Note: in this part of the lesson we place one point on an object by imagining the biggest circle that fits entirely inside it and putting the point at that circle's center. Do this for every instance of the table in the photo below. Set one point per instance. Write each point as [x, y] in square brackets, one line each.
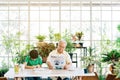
[45, 72]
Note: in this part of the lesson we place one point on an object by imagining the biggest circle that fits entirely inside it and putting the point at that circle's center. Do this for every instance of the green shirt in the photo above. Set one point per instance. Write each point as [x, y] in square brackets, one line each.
[31, 62]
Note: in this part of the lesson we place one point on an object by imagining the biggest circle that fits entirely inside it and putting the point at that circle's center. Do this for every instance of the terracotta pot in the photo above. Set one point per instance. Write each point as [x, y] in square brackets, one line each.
[90, 68]
[111, 68]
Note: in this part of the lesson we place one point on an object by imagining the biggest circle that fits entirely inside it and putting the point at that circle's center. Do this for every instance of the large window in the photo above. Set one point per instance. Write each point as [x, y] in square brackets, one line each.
[98, 20]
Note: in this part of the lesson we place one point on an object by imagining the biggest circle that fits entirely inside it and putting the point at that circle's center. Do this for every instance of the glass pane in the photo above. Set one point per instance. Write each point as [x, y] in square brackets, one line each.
[106, 30]
[34, 30]
[44, 15]
[115, 31]
[44, 8]
[54, 15]
[44, 28]
[116, 15]
[3, 28]
[14, 15]
[5, 8]
[85, 15]
[23, 15]
[96, 31]
[65, 15]
[24, 30]
[65, 7]
[3, 15]
[14, 27]
[96, 15]
[106, 15]
[75, 27]
[75, 15]
[55, 26]
[64, 26]
[86, 30]
[34, 15]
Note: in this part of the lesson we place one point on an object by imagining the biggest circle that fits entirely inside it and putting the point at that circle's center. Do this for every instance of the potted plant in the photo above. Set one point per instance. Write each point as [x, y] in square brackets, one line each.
[79, 35]
[40, 38]
[3, 69]
[111, 57]
[89, 60]
[45, 49]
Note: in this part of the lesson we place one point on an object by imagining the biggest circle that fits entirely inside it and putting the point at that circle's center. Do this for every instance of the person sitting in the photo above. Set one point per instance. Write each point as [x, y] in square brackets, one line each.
[59, 59]
[33, 60]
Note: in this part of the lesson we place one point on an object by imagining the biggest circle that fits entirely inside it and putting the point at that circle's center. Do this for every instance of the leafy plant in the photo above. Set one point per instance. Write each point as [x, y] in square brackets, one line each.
[40, 37]
[111, 56]
[70, 46]
[57, 36]
[45, 48]
[3, 69]
[20, 56]
[89, 59]
[79, 35]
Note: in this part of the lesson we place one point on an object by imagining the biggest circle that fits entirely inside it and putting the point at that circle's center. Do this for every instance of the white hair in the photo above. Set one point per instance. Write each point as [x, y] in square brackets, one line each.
[63, 42]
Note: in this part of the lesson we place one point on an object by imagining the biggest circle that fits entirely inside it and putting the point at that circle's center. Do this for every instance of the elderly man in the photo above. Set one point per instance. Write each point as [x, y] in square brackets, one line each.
[59, 58]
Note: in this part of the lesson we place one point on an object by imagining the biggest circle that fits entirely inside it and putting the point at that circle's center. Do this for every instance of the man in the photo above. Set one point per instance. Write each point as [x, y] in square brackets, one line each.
[59, 58]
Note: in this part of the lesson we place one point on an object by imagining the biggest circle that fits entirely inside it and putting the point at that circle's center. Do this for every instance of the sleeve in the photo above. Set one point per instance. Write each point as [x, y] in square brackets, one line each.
[49, 57]
[27, 59]
[68, 58]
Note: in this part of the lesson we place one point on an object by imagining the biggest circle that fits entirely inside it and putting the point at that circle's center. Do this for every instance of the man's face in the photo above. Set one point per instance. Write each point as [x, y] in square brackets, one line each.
[61, 47]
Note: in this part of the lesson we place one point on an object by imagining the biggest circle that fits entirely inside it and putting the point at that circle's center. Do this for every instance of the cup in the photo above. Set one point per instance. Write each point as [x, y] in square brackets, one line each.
[16, 68]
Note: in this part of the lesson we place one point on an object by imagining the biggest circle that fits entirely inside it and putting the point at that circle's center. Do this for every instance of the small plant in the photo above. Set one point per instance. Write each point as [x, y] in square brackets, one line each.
[57, 36]
[40, 37]
[79, 35]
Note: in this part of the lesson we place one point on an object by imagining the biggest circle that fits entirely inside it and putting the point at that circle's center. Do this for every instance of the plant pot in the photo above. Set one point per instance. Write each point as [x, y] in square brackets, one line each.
[90, 68]
[111, 68]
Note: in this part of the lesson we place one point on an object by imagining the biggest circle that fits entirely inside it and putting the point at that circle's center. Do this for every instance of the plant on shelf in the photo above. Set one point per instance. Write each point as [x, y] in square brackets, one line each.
[40, 37]
[79, 35]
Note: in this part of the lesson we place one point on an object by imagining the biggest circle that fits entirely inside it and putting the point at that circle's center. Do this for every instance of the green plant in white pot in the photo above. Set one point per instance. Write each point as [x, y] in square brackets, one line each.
[89, 60]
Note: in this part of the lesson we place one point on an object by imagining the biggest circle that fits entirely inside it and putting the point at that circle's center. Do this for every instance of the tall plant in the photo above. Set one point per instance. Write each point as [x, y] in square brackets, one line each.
[70, 46]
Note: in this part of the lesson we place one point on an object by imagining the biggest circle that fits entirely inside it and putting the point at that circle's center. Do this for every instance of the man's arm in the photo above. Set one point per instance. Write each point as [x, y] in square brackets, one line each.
[49, 65]
[67, 65]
